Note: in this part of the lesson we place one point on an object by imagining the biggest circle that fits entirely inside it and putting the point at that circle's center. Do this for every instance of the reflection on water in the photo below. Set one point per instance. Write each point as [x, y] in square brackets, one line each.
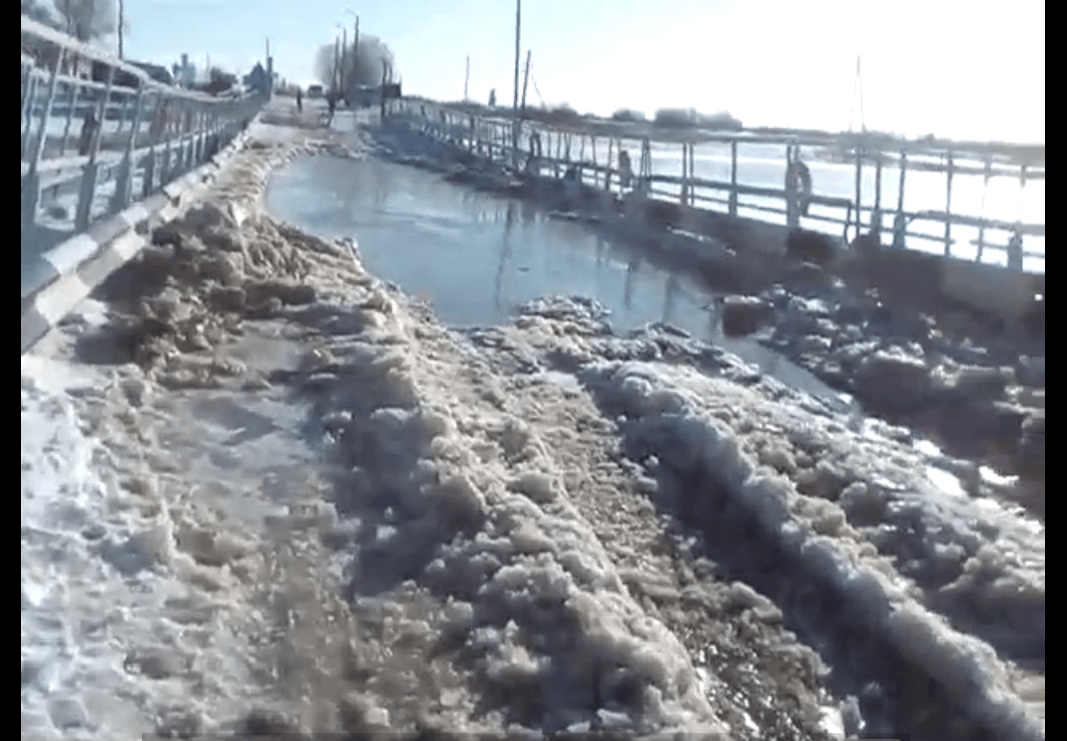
[476, 257]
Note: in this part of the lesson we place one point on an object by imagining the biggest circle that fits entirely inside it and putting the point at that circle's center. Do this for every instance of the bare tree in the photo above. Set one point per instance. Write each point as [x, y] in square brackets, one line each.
[38, 12]
[87, 20]
[363, 63]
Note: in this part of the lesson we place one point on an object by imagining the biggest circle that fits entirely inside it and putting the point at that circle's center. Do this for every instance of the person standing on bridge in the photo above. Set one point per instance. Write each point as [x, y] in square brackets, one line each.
[331, 102]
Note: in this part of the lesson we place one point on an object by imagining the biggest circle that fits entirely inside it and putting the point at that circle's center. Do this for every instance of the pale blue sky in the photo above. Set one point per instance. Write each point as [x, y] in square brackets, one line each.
[961, 69]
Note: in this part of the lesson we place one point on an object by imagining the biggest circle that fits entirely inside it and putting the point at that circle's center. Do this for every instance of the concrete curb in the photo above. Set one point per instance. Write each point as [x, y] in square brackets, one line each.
[70, 271]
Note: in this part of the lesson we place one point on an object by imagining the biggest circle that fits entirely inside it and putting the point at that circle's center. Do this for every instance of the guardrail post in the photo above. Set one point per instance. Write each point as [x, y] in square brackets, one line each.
[124, 182]
[189, 138]
[948, 207]
[92, 169]
[198, 141]
[156, 130]
[167, 108]
[31, 183]
[733, 179]
[985, 192]
[28, 104]
[692, 173]
[859, 190]
[75, 91]
[607, 173]
[685, 174]
[792, 219]
[900, 223]
[1015, 244]
[122, 113]
[1015, 251]
[876, 215]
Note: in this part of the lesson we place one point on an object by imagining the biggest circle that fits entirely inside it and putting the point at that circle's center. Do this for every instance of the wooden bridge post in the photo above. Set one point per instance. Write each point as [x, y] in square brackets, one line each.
[948, 206]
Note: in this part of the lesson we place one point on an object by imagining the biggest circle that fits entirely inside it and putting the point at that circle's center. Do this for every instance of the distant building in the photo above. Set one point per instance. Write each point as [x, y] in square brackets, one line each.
[362, 96]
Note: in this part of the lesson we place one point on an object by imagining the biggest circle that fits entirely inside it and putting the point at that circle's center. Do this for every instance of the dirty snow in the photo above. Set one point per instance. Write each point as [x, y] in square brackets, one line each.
[262, 489]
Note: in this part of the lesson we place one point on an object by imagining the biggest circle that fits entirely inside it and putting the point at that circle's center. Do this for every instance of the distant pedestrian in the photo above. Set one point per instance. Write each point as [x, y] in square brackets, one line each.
[626, 171]
[331, 103]
[89, 126]
[299, 101]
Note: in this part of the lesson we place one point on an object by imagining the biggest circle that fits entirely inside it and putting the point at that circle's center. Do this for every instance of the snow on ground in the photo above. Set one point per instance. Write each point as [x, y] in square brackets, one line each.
[286, 486]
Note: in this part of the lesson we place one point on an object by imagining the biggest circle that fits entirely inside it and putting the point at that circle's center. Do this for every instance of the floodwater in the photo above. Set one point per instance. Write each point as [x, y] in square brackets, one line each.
[476, 257]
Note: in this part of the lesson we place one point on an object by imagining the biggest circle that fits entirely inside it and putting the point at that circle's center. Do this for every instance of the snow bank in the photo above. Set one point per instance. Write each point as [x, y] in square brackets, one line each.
[702, 431]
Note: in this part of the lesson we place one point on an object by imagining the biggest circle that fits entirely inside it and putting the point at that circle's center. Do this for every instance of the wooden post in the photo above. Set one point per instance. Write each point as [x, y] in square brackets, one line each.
[948, 207]
[900, 223]
[733, 178]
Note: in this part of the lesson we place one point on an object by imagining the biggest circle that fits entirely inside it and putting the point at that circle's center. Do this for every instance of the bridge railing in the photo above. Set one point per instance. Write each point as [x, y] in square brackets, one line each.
[752, 173]
[98, 134]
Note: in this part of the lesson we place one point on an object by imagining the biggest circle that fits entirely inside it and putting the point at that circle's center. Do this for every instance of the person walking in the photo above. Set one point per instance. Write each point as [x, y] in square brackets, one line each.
[299, 101]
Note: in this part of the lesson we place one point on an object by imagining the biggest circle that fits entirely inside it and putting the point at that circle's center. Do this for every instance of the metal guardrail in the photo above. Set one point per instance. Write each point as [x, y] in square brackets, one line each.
[495, 138]
[83, 135]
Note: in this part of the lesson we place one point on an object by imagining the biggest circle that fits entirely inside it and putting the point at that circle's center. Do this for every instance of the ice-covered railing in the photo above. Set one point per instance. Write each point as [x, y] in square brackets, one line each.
[103, 133]
[754, 174]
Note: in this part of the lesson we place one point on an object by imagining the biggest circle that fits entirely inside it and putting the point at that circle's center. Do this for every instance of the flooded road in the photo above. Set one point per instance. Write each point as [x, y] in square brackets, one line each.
[477, 257]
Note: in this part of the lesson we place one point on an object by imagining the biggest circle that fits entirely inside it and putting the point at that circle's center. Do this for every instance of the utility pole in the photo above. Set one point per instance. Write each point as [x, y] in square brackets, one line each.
[336, 63]
[122, 22]
[344, 55]
[355, 48]
[467, 79]
[515, 97]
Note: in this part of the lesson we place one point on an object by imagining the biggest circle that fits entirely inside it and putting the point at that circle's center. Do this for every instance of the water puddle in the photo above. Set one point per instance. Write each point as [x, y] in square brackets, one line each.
[476, 257]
